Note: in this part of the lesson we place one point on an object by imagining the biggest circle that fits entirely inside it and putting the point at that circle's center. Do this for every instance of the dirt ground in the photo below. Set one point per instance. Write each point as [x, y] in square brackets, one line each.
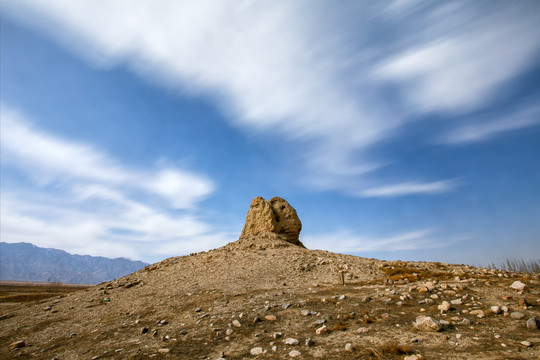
[229, 302]
[13, 292]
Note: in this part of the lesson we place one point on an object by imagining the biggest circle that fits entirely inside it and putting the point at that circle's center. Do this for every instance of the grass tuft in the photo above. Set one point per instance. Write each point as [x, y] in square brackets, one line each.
[519, 265]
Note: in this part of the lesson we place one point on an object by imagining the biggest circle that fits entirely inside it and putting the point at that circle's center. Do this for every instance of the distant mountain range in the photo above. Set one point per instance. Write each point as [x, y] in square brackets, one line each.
[27, 262]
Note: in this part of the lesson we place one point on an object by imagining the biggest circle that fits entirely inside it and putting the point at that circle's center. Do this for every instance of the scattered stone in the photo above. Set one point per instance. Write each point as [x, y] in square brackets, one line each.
[533, 324]
[229, 332]
[164, 351]
[286, 306]
[496, 309]
[295, 353]
[362, 330]
[291, 341]
[342, 297]
[256, 351]
[427, 323]
[413, 357]
[322, 330]
[445, 306]
[479, 313]
[256, 319]
[197, 309]
[306, 312]
[236, 323]
[349, 347]
[526, 343]
[456, 302]
[444, 323]
[309, 342]
[518, 285]
[277, 335]
[517, 315]
[270, 318]
[72, 336]
[458, 336]
[16, 345]
[161, 322]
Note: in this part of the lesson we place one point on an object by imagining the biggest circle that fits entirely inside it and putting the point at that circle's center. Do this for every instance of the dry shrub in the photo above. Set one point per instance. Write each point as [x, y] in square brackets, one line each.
[400, 272]
[388, 349]
[339, 326]
[393, 348]
[366, 319]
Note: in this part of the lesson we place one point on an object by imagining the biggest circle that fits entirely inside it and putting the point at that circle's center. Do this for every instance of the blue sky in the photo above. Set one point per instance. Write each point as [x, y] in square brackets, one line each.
[398, 130]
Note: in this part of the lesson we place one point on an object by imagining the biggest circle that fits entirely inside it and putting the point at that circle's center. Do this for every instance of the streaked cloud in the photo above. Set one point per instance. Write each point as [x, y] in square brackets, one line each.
[290, 69]
[484, 130]
[410, 188]
[49, 158]
[83, 200]
[350, 242]
[458, 69]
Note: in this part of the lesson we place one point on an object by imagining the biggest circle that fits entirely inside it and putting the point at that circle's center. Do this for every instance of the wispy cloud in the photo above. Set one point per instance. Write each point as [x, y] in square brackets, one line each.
[48, 157]
[83, 200]
[409, 188]
[349, 242]
[484, 130]
[461, 68]
[291, 69]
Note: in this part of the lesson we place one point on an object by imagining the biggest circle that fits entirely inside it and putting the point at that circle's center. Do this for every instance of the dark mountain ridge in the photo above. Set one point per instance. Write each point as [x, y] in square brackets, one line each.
[27, 262]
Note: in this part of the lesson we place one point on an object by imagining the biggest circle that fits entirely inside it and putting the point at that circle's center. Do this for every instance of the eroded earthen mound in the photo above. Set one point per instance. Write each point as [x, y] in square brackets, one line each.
[270, 223]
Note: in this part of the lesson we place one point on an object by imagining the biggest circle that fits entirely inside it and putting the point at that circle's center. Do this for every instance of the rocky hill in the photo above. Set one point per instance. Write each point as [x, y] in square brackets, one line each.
[27, 262]
[266, 296]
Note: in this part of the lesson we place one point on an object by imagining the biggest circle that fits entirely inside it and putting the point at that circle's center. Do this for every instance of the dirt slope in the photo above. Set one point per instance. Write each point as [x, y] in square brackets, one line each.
[275, 291]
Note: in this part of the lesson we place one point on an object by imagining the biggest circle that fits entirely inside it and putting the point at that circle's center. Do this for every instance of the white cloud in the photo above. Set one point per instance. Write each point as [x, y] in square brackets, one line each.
[84, 201]
[103, 225]
[274, 66]
[459, 70]
[349, 242]
[409, 188]
[290, 69]
[480, 131]
[48, 157]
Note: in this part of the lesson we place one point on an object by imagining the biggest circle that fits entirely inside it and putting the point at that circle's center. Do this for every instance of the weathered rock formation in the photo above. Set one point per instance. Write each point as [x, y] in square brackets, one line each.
[271, 219]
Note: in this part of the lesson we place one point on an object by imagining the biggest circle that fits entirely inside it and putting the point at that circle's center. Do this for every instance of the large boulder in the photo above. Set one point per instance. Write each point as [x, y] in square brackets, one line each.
[275, 216]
